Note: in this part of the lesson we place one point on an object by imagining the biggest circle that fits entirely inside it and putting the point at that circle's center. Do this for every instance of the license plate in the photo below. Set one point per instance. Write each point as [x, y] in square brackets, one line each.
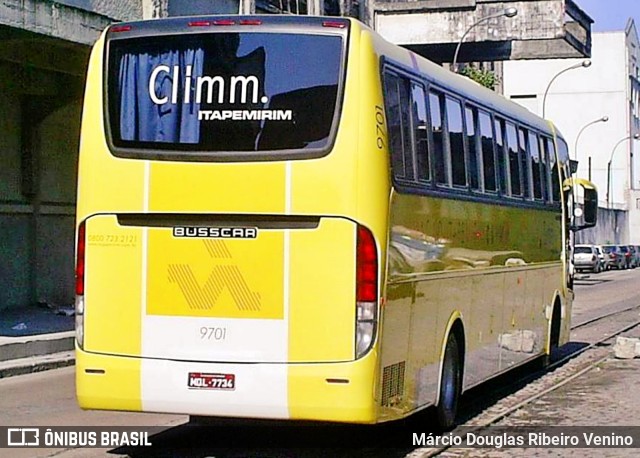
[199, 380]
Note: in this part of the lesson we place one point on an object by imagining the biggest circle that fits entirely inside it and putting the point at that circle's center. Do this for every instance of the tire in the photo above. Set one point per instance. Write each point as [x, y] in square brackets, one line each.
[450, 385]
[554, 336]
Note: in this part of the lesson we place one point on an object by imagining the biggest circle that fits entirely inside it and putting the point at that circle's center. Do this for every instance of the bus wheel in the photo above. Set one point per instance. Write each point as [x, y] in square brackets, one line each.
[554, 337]
[450, 385]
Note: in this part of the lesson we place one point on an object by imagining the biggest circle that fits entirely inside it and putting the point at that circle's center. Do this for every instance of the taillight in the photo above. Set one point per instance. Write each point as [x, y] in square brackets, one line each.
[367, 266]
[80, 260]
[593, 258]
[366, 290]
[79, 310]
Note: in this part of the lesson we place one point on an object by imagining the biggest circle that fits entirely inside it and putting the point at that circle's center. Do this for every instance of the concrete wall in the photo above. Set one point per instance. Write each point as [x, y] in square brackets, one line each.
[15, 211]
[123, 10]
[612, 228]
[38, 166]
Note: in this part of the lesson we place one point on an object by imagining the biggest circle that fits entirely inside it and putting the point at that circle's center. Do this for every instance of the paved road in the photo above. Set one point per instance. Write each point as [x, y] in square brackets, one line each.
[48, 398]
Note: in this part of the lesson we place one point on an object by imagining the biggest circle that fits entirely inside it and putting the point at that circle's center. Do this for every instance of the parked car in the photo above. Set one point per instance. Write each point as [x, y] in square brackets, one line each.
[616, 257]
[604, 259]
[634, 255]
[585, 257]
[637, 247]
[629, 260]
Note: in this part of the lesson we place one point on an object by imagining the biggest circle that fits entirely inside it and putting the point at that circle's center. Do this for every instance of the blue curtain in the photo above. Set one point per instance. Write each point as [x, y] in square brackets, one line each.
[143, 120]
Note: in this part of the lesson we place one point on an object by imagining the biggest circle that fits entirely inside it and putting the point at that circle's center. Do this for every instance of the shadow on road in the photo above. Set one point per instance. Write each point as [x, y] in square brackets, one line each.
[235, 439]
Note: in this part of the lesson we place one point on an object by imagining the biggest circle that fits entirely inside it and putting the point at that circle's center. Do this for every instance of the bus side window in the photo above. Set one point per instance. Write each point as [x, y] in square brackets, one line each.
[488, 158]
[419, 118]
[525, 166]
[407, 135]
[502, 171]
[553, 170]
[513, 160]
[397, 110]
[535, 166]
[544, 169]
[471, 121]
[437, 124]
[456, 142]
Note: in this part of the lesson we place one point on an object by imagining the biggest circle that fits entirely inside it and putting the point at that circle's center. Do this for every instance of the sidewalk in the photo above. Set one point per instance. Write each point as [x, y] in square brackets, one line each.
[35, 338]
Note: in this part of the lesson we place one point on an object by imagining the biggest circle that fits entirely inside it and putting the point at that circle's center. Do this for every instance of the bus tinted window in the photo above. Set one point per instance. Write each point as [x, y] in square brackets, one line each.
[437, 123]
[502, 174]
[513, 160]
[536, 166]
[456, 142]
[553, 170]
[420, 131]
[224, 91]
[488, 161]
[524, 162]
[407, 134]
[471, 117]
[544, 169]
[394, 124]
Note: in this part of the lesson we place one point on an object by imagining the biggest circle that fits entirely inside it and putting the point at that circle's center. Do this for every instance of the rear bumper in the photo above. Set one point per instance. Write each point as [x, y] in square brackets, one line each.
[586, 265]
[342, 392]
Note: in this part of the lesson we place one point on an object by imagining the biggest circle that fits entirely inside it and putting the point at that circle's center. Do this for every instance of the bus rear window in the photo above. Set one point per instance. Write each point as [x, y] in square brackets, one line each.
[207, 94]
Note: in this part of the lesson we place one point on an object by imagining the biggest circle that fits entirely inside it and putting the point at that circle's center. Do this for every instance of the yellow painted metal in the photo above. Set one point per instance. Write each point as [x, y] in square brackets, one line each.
[313, 397]
[255, 188]
[113, 282]
[234, 278]
[322, 297]
[115, 387]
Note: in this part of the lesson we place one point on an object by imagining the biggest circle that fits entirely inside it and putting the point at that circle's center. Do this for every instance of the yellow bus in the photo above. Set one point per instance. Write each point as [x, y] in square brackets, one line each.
[290, 218]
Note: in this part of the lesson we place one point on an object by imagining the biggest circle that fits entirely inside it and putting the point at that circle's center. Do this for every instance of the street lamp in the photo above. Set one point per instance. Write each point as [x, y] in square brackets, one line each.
[585, 64]
[575, 148]
[628, 137]
[508, 12]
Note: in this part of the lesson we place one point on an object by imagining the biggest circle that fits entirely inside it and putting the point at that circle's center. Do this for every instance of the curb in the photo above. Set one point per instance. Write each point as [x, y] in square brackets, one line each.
[37, 345]
[36, 364]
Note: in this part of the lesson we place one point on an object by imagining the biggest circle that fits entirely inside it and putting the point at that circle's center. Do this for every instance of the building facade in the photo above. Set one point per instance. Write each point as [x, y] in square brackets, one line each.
[577, 101]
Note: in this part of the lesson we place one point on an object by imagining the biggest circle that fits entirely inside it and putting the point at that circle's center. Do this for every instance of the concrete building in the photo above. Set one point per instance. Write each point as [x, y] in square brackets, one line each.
[576, 100]
[44, 47]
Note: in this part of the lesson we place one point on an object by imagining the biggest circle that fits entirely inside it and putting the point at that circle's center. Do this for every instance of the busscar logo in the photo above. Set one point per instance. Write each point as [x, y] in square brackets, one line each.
[23, 437]
[216, 232]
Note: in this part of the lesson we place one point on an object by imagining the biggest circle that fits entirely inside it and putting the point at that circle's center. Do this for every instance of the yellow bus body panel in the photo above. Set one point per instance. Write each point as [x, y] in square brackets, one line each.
[113, 287]
[115, 387]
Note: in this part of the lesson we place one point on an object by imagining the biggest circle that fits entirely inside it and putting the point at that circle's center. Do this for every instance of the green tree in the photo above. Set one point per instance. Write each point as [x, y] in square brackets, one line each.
[486, 78]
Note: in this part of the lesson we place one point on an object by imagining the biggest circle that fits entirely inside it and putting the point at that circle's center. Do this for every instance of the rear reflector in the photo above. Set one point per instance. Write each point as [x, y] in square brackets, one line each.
[80, 260]
[366, 267]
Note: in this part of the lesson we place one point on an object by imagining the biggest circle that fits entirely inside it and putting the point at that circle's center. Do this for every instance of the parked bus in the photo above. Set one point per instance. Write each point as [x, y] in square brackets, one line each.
[290, 218]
